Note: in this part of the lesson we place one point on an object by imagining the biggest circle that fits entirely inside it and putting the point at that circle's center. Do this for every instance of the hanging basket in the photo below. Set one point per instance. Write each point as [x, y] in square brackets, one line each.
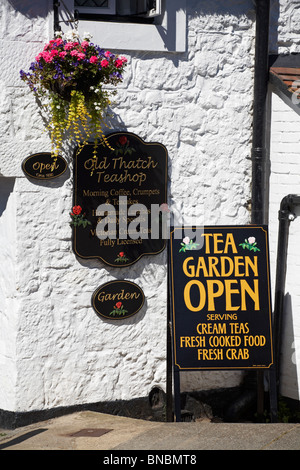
[69, 76]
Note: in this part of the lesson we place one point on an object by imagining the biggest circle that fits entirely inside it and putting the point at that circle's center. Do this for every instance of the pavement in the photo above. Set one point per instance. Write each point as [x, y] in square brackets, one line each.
[88, 430]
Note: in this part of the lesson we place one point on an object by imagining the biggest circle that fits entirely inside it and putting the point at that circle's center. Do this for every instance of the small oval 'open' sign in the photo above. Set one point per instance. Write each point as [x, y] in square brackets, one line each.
[117, 300]
[44, 166]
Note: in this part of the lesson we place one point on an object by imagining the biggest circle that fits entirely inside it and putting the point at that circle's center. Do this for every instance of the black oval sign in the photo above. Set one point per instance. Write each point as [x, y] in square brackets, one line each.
[44, 166]
[117, 300]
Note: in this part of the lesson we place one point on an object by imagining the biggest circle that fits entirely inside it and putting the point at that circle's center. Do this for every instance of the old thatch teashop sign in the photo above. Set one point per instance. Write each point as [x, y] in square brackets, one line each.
[220, 292]
[117, 300]
[122, 190]
[43, 166]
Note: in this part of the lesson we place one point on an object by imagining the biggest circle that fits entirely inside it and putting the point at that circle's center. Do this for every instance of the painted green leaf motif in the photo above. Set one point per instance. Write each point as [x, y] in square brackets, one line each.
[250, 245]
[79, 220]
[118, 311]
[122, 258]
[188, 246]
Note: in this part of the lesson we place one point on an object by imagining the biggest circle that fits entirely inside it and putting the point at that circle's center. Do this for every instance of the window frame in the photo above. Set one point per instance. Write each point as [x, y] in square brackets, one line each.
[110, 10]
[166, 33]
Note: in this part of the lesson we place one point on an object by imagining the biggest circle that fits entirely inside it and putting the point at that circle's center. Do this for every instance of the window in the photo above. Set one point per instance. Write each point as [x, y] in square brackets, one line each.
[137, 25]
[118, 8]
[107, 7]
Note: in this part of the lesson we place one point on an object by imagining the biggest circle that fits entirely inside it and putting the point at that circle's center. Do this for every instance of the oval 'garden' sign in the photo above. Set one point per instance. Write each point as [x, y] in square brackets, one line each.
[117, 300]
[44, 166]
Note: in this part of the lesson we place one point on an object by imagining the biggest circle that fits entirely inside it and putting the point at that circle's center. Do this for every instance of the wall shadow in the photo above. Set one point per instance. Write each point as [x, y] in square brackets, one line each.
[22, 438]
[6, 189]
[32, 9]
[288, 361]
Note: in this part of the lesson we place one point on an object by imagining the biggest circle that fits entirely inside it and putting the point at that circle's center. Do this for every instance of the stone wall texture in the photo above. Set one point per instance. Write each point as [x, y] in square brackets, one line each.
[284, 180]
[55, 351]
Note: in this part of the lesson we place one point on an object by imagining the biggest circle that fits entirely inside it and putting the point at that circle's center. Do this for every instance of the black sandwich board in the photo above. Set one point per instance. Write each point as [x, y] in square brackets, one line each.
[220, 299]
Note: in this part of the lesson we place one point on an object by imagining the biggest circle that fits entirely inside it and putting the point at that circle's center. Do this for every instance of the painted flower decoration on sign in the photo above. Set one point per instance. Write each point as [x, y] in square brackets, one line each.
[118, 310]
[69, 77]
[123, 146]
[250, 244]
[188, 244]
[122, 258]
[78, 218]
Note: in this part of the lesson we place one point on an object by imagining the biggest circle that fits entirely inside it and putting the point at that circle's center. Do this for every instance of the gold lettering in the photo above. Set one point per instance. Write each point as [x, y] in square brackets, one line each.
[211, 294]
[213, 261]
[229, 291]
[220, 267]
[103, 297]
[217, 241]
[253, 293]
[187, 295]
[188, 270]
[230, 242]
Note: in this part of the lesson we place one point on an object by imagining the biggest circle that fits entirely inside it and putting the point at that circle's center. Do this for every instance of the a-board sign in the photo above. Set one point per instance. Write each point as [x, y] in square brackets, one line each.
[117, 300]
[220, 294]
[44, 166]
[117, 190]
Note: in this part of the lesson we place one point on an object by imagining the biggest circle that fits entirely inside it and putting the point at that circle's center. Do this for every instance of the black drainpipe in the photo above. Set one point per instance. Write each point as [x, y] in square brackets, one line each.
[56, 25]
[261, 75]
[254, 389]
[259, 151]
[285, 216]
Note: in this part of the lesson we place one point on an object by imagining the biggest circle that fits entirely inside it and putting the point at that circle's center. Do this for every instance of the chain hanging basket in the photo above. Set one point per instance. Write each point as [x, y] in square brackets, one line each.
[69, 76]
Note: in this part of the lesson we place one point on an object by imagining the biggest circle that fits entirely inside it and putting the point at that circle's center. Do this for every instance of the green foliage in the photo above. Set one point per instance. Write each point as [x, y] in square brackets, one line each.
[69, 77]
[118, 310]
[78, 218]
[188, 246]
[249, 246]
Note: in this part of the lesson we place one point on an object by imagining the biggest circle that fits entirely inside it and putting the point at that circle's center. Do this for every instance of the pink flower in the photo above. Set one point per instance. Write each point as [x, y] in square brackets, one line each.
[54, 52]
[69, 46]
[46, 56]
[63, 54]
[85, 44]
[123, 59]
[104, 63]
[59, 41]
[80, 55]
[118, 63]
[50, 44]
[107, 54]
[74, 53]
[93, 59]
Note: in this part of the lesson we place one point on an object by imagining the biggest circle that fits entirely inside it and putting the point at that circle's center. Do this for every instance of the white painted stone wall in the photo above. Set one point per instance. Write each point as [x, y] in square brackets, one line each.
[285, 26]
[284, 180]
[55, 351]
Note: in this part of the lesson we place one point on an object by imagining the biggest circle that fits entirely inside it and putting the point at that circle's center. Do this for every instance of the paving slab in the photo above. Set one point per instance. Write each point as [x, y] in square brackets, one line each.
[89, 430]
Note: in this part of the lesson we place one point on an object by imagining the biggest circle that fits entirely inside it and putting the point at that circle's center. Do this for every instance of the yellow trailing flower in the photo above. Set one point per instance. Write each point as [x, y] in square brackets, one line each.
[73, 76]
